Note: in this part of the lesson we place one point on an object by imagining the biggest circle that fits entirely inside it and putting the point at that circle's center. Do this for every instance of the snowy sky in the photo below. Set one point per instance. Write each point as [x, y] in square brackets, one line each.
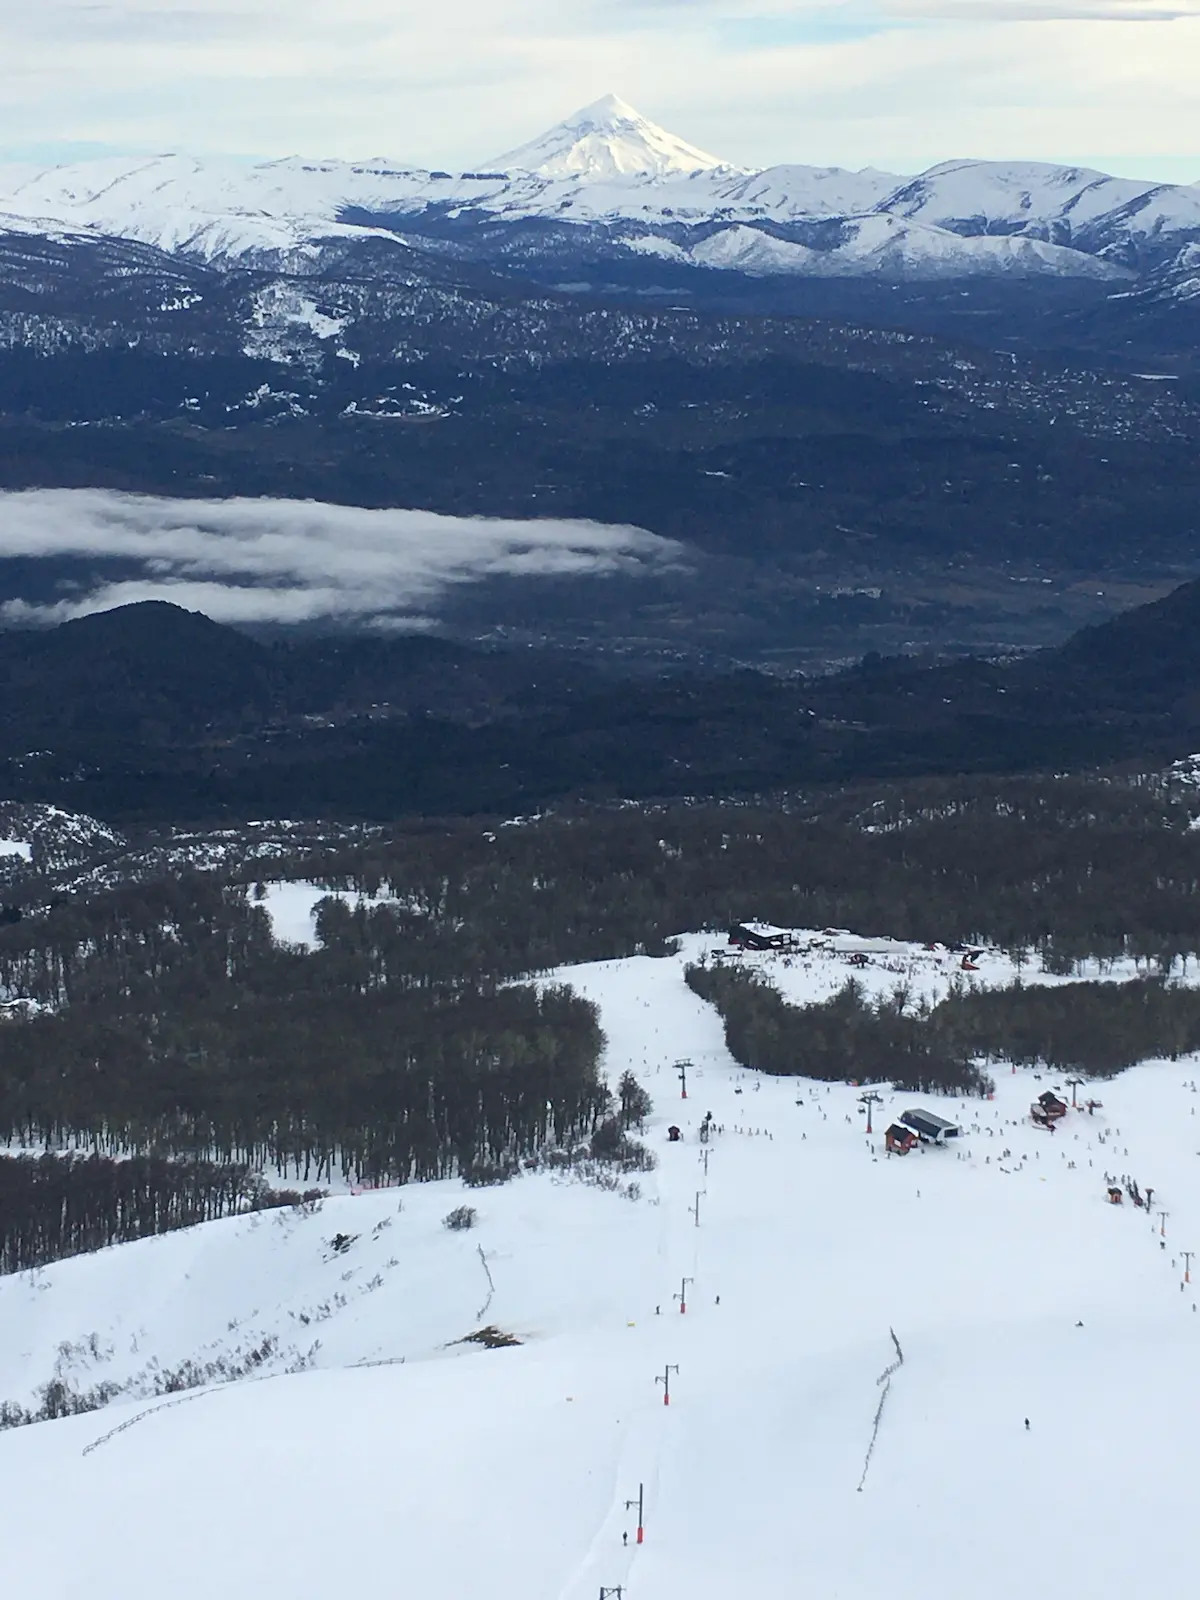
[893, 83]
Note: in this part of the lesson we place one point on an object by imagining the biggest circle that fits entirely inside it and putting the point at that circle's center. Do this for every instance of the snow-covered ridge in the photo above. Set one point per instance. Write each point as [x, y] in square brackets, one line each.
[50, 838]
[608, 166]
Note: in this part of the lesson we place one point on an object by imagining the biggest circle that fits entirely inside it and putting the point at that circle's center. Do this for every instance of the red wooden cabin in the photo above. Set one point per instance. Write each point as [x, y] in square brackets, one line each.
[899, 1140]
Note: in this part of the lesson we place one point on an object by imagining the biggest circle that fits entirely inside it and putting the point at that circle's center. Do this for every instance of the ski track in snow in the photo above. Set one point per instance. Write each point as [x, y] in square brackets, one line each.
[447, 1471]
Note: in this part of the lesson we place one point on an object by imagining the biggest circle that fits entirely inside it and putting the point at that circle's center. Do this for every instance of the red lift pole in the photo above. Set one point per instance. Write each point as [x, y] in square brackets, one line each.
[664, 1378]
[640, 1503]
[681, 1068]
[1187, 1264]
[682, 1295]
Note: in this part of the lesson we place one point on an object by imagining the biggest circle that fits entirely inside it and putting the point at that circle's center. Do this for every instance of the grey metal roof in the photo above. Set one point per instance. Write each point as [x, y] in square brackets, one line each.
[929, 1121]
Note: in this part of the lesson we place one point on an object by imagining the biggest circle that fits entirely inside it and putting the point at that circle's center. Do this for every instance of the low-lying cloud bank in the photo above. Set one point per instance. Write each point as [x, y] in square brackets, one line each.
[291, 561]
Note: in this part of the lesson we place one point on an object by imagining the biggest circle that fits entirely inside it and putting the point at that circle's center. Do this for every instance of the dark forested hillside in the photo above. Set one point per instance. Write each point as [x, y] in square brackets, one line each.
[156, 715]
[179, 1027]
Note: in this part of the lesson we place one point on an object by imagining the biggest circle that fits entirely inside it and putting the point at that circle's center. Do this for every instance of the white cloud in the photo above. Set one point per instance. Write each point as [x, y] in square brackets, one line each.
[1046, 10]
[895, 83]
[296, 561]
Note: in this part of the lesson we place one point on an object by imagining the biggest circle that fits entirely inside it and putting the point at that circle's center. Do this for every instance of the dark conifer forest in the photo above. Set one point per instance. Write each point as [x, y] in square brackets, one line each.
[1094, 1028]
[60, 1205]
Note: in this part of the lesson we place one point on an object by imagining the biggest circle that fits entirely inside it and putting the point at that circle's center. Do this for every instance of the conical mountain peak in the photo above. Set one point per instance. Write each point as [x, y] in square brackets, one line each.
[609, 109]
[606, 140]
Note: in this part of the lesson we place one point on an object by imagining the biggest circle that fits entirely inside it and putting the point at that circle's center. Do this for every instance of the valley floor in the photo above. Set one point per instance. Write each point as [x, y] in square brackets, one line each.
[401, 1462]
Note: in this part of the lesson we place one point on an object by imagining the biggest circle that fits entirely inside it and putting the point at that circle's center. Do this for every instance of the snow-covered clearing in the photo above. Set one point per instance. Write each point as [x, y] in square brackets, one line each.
[292, 908]
[454, 1471]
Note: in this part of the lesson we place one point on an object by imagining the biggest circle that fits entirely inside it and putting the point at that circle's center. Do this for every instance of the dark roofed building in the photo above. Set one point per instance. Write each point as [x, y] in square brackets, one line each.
[932, 1129]
[759, 936]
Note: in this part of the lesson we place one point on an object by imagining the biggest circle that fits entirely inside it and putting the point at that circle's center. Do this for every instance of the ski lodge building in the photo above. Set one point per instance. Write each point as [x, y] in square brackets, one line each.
[759, 936]
[1051, 1106]
[929, 1128]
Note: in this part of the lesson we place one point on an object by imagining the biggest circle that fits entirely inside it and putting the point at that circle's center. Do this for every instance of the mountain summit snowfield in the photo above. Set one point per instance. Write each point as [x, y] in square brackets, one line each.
[609, 140]
[628, 188]
[369, 1448]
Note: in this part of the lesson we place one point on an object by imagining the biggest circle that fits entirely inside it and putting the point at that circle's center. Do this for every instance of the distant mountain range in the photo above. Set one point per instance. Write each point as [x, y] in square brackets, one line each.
[634, 192]
[952, 412]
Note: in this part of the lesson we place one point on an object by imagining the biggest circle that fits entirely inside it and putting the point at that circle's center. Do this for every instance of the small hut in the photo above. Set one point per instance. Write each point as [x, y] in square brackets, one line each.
[674, 1134]
[1115, 1197]
[899, 1140]
[1051, 1106]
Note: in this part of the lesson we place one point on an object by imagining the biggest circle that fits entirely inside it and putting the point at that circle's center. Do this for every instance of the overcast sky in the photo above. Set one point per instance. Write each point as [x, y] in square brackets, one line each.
[894, 83]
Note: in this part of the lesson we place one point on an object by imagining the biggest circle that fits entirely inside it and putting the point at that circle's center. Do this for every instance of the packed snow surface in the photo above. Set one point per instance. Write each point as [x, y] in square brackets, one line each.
[404, 1461]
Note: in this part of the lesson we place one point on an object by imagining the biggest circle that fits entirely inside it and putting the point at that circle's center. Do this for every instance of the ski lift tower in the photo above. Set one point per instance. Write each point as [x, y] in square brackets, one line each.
[870, 1100]
[681, 1067]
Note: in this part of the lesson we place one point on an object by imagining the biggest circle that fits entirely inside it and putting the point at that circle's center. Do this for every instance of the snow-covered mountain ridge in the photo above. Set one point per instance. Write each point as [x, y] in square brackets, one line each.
[649, 192]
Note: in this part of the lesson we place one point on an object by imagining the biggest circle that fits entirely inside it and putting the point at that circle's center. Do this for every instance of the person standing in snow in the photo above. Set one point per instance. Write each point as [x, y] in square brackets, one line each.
[1026, 1424]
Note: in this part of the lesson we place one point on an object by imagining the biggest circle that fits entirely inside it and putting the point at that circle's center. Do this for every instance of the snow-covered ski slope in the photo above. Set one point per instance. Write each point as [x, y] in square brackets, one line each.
[452, 1471]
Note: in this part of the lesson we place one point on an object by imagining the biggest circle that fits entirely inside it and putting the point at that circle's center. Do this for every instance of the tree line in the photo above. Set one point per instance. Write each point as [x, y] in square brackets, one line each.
[1098, 1029]
[1095, 1029]
[404, 1086]
[847, 1037]
[61, 1205]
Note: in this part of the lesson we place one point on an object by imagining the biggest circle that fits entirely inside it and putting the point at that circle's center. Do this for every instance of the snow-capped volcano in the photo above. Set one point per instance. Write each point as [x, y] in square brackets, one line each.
[626, 190]
[606, 140]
